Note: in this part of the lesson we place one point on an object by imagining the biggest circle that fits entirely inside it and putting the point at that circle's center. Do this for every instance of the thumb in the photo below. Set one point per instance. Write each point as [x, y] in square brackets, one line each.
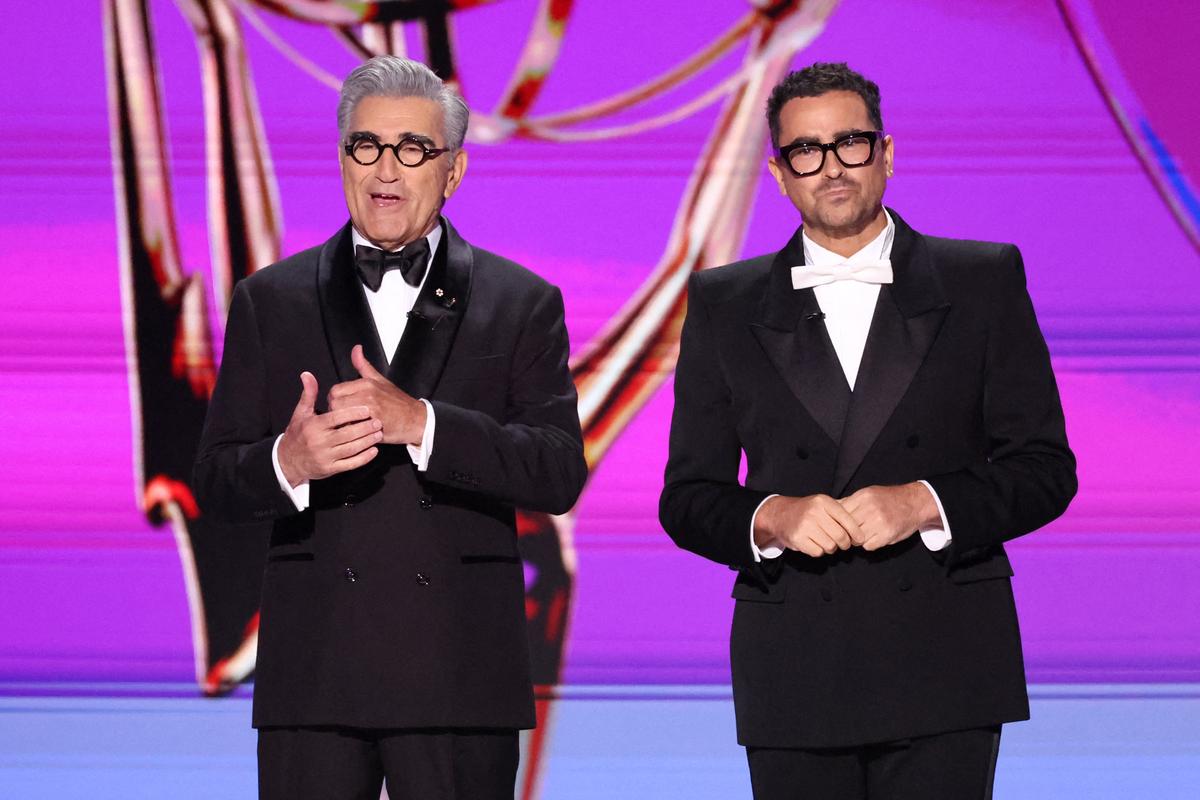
[360, 362]
[308, 396]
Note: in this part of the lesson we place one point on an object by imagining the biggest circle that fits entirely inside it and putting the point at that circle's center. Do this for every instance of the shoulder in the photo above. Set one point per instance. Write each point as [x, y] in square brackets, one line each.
[975, 264]
[739, 280]
[494, 273]
[287, 274]
[969, 251]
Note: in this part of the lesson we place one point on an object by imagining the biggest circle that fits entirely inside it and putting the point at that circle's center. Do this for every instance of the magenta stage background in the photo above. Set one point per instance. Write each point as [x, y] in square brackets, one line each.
[1001, 134]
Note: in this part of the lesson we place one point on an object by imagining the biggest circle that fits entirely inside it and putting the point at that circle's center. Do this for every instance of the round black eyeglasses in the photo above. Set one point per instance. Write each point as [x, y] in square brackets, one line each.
[409, 152]
[852, 150]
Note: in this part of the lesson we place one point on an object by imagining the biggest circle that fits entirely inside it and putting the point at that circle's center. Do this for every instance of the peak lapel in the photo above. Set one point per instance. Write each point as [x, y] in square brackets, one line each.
[433, 323]
[908, 316]
[345, 314]
[793, 335]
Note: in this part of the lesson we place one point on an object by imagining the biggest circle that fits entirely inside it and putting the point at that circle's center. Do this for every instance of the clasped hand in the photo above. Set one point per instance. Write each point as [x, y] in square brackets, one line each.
[362, 414]
[871, 518]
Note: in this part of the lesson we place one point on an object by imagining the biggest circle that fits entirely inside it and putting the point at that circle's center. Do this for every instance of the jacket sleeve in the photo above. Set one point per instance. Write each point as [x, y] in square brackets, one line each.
[234, 478]
[703, 507]
[532, 458]
[1028, 476]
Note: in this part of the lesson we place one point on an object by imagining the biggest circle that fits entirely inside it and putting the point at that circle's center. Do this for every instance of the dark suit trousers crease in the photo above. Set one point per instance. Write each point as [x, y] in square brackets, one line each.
[335, 763]
[949, 766]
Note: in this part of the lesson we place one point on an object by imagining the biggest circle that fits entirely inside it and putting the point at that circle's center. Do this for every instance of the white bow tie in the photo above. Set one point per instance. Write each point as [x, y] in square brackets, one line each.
[808, 276]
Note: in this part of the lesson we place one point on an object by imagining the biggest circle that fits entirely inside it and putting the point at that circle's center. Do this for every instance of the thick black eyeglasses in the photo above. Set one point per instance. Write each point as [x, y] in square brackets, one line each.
[409, 151]
[852, 150]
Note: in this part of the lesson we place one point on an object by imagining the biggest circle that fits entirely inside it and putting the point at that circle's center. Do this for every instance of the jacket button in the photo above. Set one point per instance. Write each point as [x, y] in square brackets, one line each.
[351, 575]
[426, 502]
[422, 579]
[801, 453]
[351, 499]
[904, 584]
[826, 594]
[913, 441]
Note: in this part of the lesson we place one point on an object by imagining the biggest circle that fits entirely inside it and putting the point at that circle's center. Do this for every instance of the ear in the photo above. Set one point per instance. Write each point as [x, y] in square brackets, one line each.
[889, 154]
[777, 174]
[458, 168]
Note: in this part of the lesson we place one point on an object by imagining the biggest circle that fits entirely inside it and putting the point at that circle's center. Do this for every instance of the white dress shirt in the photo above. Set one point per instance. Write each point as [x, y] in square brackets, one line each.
[848, 306]
[389, 310]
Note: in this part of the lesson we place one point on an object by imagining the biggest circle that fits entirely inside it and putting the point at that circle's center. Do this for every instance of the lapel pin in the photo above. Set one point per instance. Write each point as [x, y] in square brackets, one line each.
[438, 292]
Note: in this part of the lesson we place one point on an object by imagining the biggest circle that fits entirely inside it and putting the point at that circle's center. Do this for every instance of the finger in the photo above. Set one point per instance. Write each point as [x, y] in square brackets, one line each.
[884, 538]
[362, 365]
[355, 461]
[355, 446]
[838, 535]
[820, 536]
[352, 431]
[876, 542]
[342, 390]
[847, 522]
[856, 507]
[809, 548]
[346, 415]
[308, 395]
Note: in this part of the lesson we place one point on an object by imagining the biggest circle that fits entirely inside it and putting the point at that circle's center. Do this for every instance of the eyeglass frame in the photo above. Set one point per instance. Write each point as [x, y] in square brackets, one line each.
[428, 153]
[785, 152]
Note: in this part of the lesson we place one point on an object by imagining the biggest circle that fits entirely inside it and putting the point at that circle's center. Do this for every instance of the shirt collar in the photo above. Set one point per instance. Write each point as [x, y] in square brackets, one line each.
[434, 237]
[879, 248]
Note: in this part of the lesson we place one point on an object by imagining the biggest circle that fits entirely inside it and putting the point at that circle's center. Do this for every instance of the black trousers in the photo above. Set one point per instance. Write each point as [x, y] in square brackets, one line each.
[949, 766]
[333, 763]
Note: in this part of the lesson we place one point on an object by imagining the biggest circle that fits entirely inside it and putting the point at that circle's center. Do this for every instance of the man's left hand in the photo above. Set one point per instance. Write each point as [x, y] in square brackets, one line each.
[890, 514]
[402, 415]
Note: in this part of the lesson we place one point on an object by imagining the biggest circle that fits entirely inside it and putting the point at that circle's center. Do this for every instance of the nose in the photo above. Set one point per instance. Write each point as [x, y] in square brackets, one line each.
[387, 168]
[832, 168]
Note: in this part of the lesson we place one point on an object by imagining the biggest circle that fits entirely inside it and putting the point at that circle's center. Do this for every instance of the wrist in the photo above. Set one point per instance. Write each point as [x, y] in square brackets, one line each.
[416, 430]
[925, 508]
[764, 523]
[291, 473]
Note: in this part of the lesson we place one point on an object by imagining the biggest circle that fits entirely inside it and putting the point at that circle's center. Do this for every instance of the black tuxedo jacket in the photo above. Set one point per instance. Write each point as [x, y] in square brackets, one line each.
[955, 387]
[397, 598]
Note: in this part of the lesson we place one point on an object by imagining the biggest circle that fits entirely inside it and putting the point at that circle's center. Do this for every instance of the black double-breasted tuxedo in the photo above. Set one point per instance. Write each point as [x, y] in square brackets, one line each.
[955, 387]
[396, 600]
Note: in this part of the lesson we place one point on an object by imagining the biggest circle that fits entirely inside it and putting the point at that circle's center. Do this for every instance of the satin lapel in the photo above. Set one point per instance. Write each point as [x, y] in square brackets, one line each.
[793, 335]
[908, 316]
[345, 313]
[434, 320]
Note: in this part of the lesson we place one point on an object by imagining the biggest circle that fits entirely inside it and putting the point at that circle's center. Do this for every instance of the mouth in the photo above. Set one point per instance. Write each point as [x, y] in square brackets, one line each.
[384, 199]
[837, 193]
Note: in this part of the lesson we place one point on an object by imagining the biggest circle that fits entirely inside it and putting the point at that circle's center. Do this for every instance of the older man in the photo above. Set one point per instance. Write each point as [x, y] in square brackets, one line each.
[434, 398]
[894, 400]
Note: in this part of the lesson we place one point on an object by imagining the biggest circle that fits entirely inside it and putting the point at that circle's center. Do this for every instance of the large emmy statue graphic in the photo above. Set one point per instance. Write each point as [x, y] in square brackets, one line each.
[169, 329]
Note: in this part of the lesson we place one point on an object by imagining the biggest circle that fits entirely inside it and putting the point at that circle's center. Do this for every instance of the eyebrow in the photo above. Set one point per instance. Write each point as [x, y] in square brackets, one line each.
[420, 137]
[837, 135]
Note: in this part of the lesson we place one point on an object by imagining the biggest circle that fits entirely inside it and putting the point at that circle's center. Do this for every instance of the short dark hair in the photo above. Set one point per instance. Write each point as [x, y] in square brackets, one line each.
[821, 78]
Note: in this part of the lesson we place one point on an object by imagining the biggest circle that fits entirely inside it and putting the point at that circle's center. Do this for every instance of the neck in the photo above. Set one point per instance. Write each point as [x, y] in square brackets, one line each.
[849, 240]
[397, 245]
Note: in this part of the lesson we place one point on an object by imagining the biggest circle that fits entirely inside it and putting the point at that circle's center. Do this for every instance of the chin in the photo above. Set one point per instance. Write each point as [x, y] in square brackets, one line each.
[377, 234]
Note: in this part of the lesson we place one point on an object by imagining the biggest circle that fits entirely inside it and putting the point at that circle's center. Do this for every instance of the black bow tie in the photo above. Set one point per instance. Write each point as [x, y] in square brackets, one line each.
[371, 263]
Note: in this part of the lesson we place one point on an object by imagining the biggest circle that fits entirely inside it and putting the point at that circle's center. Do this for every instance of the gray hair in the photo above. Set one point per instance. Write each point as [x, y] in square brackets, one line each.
[393, 76]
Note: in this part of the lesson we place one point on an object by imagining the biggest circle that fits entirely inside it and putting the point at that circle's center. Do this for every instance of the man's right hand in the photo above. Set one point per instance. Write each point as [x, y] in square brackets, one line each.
[316, 445]
[816, 525]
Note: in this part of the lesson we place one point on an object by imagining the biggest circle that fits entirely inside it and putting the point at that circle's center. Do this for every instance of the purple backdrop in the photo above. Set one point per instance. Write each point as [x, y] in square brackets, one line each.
[1000, 134]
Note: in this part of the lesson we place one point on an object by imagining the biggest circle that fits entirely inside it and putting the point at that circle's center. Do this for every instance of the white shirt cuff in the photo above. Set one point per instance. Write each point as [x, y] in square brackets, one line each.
[420, 454]
[297, 494]
[773, 549]
[936, 538]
